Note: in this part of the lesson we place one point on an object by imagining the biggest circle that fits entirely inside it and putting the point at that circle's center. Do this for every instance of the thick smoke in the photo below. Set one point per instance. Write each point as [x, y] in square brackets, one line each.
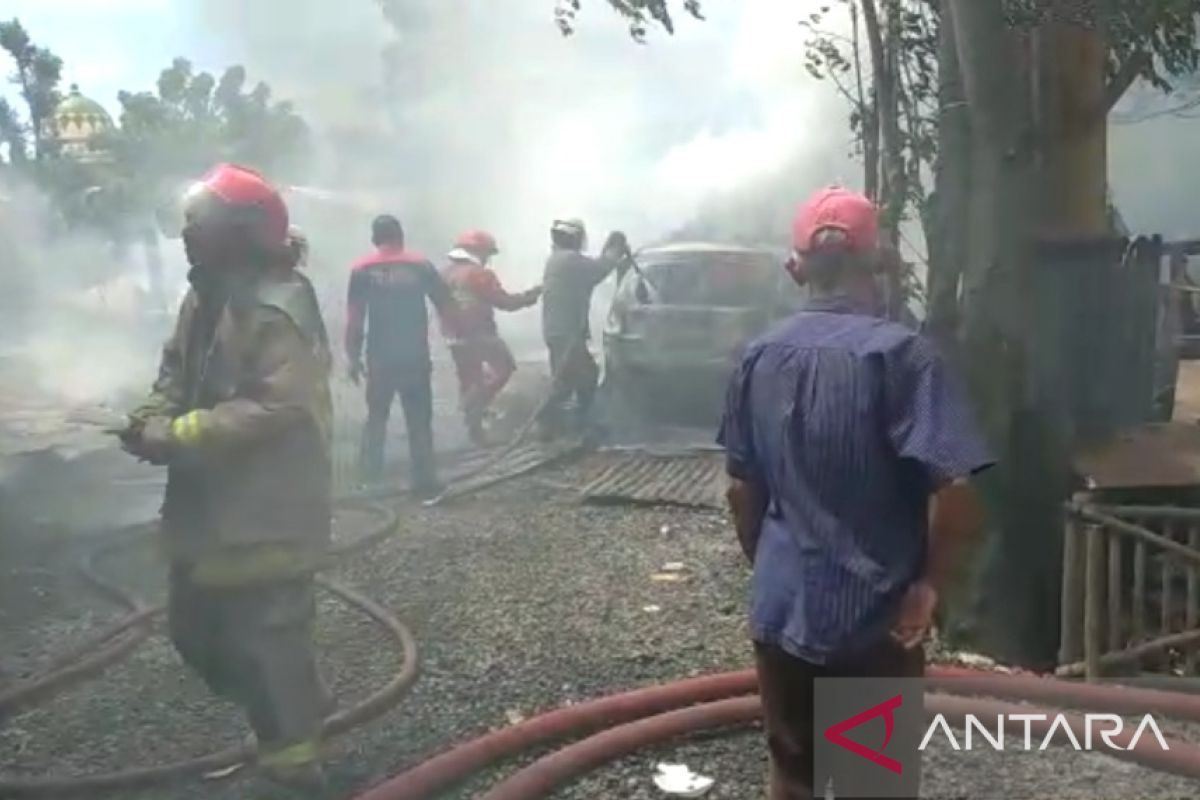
[75, 307]
[480, 114]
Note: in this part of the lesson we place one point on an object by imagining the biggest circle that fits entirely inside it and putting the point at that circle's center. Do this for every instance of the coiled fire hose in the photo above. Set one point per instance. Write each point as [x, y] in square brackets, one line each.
[123, 636]
[649, 716]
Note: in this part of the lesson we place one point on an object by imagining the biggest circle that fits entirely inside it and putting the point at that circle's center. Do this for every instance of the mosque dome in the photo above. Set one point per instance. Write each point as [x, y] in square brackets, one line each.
[75, 123]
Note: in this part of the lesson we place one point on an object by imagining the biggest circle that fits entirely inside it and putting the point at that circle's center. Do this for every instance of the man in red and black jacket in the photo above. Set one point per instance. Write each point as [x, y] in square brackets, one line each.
[386, 311]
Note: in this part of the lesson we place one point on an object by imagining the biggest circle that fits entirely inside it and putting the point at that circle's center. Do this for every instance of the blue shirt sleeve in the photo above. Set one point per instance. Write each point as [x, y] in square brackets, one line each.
[929, 419]
[736, 434]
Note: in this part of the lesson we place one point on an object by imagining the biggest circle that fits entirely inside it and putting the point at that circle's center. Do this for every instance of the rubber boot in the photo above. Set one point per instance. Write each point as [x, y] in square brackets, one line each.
[294, 770]
[301, 782]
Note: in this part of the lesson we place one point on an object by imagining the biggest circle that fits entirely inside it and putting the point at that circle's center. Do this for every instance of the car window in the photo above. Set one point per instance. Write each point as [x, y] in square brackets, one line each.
[712, 279]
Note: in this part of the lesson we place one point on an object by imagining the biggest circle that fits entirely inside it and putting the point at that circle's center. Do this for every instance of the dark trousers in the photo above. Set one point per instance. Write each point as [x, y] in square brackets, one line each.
[786, 685]
[484, 366]
[253, 645]
[413, 383]
[576, 375]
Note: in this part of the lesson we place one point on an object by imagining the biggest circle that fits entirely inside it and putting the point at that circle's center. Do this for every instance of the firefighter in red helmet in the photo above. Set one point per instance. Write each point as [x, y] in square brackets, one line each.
[481, 358]
[240, 415]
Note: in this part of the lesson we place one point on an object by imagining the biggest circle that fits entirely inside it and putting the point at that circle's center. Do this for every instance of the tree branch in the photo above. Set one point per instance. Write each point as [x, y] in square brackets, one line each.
[1119, 84]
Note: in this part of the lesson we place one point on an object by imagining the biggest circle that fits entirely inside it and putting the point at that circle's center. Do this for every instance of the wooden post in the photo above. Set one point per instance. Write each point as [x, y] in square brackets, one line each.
[1192, 613]
[1071, 622]
[1093, 611]
[1165, 594]
[1139, 592]
[1113, 594]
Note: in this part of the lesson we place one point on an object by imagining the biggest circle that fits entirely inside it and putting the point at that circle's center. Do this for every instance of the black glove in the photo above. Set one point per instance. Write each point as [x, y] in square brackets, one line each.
[617, 245]
[150, 440]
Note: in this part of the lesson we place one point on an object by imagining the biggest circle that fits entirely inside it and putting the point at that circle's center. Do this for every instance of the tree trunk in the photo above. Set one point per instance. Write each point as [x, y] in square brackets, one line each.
[1001, 324]
[868, 115]
[946, 231]
[1071, 110]
[883, 45]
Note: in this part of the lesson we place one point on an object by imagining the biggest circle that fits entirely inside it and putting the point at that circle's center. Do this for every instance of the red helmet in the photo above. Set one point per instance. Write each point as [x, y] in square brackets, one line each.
[246, 194]
[479, 243]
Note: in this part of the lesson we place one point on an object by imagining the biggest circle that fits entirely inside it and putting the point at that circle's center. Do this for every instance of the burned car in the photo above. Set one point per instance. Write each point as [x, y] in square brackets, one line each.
[679, 319]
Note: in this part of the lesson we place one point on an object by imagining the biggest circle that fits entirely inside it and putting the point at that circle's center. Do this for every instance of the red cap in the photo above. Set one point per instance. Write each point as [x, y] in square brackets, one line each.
[836, 217]
[241, 187]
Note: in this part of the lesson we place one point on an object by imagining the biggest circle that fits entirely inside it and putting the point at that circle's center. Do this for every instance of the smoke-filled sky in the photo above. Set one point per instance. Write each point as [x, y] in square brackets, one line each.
[500, 121]
[529, 125]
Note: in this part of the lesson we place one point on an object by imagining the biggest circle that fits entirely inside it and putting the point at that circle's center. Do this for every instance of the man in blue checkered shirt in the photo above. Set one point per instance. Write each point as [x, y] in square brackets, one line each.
[849, 444]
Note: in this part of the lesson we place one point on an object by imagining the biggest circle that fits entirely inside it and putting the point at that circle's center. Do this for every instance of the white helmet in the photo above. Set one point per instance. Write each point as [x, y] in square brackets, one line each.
[573, 227]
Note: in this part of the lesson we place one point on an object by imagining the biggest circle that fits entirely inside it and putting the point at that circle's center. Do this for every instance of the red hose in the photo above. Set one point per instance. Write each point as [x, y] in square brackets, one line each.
[450, 767]
[459, 763]
[131, 778]
[545, 775]
[1109, 698]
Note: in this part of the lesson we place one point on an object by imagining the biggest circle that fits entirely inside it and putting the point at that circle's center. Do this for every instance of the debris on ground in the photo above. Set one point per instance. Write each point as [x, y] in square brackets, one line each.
[678, 780]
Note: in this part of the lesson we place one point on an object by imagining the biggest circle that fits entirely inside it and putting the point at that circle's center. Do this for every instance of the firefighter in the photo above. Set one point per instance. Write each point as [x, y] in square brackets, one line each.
[240, 415]
[481, 358]
[386, 311]
[569, 281]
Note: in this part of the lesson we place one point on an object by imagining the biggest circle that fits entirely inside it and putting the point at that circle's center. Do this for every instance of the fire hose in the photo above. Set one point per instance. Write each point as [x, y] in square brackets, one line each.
[116, 641]
[659, 713]
[80, 664]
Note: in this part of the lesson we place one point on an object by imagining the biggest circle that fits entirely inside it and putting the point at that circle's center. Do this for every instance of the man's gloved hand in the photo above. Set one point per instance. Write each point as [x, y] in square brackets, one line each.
[131, 435]
[533, 295]
[356, 372]
[150, 440]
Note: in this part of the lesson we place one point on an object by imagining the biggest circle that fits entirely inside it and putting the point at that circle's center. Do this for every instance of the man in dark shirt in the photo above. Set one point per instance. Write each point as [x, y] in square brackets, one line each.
[849, 445]
[568, 283]
[386, 307]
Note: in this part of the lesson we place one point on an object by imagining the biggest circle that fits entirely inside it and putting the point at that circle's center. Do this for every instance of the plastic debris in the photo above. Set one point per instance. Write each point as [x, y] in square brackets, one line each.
[667, 577]
[218, 774]
[652, 609]
[673, 566]
[514, 717]
[680, 781]
[664, 530]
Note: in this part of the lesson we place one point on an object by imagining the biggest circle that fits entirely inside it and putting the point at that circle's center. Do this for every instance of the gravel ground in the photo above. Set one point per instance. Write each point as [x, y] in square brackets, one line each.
[522, 600]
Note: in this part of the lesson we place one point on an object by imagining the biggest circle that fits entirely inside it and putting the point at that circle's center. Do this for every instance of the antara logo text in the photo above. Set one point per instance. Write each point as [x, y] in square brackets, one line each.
[1106, 728]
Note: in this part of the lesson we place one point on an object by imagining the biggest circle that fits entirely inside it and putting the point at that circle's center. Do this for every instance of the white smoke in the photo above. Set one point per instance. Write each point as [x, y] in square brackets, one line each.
[503, 123]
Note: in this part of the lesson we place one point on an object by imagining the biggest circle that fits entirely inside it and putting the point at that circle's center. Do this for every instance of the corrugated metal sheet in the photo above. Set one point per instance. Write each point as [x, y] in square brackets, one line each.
[642, 478]
[474, 472]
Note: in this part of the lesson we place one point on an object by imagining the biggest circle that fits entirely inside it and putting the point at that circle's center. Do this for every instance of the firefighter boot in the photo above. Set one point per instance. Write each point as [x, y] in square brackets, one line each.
[295, 772]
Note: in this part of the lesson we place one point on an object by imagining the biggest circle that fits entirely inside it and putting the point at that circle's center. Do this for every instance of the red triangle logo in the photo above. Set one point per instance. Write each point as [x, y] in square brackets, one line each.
[886, 709]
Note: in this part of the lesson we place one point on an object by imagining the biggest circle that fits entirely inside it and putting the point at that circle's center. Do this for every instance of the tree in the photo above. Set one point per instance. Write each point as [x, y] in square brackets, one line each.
[1003, 105]
[12, 132]
[38, 72]
[194, 120]
[641, 14]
